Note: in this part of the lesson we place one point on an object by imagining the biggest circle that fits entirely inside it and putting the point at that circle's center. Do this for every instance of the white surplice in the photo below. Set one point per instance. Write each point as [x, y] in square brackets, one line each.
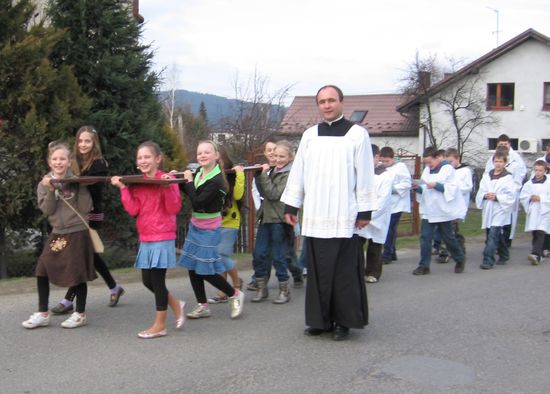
[332, 179]
[515, 166]
[538, 213]
[465, 185]
[401, 191]
[377, 229]
[496, 213]
[436, 206]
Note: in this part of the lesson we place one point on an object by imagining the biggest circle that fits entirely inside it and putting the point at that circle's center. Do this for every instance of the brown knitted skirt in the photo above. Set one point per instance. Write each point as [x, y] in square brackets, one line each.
[67, 259]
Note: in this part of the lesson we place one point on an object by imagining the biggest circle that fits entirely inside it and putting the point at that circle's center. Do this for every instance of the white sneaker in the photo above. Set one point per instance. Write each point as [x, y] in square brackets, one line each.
[199, 311]
[371, 279]
[236, 303]
[37, 320]
[76, 320]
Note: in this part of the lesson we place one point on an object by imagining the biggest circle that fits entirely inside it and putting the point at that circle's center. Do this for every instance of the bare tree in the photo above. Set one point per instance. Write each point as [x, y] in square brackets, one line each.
[169, 104]
[465, 105]
[462, 101]
[256, 114]
[417, 81]
[188, 127]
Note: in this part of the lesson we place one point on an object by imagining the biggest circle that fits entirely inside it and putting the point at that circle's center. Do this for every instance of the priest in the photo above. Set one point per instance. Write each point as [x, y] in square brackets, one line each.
[332, 178]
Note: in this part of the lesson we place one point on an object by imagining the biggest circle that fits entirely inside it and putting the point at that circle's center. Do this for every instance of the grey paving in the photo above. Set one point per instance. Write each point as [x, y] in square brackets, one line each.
[477, 332]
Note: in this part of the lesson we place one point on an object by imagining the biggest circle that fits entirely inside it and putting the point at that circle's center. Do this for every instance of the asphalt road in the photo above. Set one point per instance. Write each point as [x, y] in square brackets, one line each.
[477, 332]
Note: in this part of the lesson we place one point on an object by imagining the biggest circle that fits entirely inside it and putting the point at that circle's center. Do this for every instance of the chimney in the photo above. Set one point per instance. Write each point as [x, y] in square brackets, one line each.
[424, 79]
[135, 10]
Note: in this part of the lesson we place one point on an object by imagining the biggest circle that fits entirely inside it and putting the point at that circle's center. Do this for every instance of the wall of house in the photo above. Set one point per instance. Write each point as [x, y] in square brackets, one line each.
[528, 67]
[40, 10]
[407, 145]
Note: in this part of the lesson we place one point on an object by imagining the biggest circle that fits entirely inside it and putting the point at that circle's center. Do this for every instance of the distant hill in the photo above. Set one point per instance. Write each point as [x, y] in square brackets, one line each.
[216, 106]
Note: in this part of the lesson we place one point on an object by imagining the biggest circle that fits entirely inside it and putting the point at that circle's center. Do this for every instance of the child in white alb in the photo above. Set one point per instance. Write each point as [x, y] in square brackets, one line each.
[496, 198]
[535, 198]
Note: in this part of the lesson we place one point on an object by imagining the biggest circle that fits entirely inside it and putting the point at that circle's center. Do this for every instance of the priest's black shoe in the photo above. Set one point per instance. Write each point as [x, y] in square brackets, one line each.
[313, 332]
[340, 333]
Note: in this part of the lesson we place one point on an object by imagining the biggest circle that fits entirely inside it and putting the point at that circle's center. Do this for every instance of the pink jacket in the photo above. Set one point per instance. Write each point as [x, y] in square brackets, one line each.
[156, 207]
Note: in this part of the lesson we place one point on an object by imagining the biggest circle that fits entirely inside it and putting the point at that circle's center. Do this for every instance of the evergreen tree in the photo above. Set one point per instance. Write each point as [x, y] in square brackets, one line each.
[113, 68]
[38, 103]
[193, 128]
[202, 112]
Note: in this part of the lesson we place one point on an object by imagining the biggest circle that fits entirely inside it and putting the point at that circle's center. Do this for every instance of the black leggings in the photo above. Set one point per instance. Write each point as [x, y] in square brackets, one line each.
[101, 267]
[43, 284]
[216, 280]
[155, 280]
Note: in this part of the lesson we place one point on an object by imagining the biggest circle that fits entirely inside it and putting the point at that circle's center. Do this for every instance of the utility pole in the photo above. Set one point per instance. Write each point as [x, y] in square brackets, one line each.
[497, 31]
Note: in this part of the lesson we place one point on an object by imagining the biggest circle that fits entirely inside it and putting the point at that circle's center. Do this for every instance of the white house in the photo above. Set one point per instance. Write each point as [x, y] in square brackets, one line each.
[40, 10]
[512, 84]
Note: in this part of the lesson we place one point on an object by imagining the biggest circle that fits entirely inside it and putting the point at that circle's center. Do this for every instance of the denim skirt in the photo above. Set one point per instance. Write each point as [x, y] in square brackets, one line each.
[160, 254]
[200, 251]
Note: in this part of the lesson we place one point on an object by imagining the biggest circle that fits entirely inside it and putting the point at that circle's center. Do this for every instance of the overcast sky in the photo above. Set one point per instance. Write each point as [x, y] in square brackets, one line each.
[362, 46]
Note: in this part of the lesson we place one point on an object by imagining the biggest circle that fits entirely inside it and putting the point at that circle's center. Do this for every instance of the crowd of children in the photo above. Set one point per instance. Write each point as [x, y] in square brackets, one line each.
[443, 193]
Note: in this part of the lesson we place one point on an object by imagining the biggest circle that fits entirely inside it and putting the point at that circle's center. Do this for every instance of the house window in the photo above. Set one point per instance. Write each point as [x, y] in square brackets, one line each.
[492, 143]
[358, 116]
[500, 96]
[546, 103]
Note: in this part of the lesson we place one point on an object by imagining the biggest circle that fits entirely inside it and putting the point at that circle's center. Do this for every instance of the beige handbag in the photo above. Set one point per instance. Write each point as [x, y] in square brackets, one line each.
[96, 240]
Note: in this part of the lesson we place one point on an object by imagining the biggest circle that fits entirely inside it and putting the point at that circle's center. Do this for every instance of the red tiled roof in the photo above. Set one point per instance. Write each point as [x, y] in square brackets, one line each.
[382, 116]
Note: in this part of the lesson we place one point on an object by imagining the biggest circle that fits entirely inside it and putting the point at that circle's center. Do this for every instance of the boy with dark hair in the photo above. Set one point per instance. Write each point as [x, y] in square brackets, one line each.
[465, 184]
[496, 198]
[440, 204]
[535, 198]
[517, 168]
[374, 234]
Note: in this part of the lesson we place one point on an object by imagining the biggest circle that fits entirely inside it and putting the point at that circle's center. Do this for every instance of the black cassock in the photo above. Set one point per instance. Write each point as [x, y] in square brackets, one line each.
[335, 291]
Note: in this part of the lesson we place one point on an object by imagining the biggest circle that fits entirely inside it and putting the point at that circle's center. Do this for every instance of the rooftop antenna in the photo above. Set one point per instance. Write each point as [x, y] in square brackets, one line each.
[497, 31]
